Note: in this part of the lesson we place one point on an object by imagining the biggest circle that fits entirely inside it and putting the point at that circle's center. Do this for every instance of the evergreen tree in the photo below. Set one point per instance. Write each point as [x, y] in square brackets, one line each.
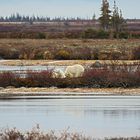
[117, 19]
[105, 18]
[94, 17]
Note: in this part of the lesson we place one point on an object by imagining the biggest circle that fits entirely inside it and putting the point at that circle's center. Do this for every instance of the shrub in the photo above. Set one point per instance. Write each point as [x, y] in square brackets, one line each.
[89, 33]
[69, 82]
[135, 35]
[38, 54]
[72, 34]
[40, 36]
[136, 53]
[92, 33]
[48, 55]
[9, 53]
[104, 55]
[95, 53]
[55, 35]
[124, 35]
[39, 79]
[115, 55]
[106, 76]
[7, 79]
[37, 134]
[62, 55]
[102, 34]
[26, 53]
[81, 53]
[95, 77]
[113, 76]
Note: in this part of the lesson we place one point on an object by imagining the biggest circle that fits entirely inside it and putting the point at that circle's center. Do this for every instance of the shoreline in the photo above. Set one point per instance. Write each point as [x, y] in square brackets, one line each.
[62, 62]
[68, 92]
[23, 91]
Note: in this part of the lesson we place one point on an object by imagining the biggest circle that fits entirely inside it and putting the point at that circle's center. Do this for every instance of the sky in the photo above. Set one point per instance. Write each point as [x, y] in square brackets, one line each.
[66, 8]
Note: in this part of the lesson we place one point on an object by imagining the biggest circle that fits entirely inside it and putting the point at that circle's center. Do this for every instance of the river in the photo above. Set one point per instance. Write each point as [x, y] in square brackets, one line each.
[98, 117]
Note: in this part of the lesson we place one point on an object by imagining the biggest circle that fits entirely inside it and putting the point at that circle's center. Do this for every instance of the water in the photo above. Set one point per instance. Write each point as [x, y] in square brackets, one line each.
[21, 70]
[41, 68]
[25, 68]
[97, 117]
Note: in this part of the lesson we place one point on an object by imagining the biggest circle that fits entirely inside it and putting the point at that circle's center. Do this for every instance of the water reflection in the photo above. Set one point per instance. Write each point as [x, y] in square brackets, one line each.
[96, 117]
[114, 113]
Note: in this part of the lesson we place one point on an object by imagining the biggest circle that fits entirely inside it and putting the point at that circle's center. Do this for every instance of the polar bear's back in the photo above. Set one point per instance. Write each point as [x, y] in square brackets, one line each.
[74, 71]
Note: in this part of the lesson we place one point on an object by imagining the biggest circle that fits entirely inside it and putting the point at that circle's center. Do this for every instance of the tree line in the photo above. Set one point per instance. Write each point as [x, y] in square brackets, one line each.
[111, 20]
[111, 23]
[105, 19]
[22, 18]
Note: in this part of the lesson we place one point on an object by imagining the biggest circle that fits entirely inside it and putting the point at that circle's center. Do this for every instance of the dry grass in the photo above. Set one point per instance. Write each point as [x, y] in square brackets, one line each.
[60, 42]
[116, 49]
[104, 43]
[62, 62]
[37, 134]
[53, 90]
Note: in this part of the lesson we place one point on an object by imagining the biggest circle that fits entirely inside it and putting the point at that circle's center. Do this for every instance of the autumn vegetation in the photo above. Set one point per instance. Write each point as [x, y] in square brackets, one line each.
[110, 41]
[110, 25]
[74, 49]
[37, 134]
[107, 76]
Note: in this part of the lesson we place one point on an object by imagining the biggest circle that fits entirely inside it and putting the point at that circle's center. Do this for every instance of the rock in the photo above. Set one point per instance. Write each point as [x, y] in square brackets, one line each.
[97, 64]
[96, 86]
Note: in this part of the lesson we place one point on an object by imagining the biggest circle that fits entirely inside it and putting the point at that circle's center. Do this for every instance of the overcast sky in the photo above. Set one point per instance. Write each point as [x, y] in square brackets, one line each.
[66, 8]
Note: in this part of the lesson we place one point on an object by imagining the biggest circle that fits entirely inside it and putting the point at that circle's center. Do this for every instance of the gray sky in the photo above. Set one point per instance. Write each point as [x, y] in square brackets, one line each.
[66, 8]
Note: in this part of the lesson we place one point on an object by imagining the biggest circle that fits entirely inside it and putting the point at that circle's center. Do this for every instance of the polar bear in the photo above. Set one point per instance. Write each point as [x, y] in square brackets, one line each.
[58, 73]
[74, 71]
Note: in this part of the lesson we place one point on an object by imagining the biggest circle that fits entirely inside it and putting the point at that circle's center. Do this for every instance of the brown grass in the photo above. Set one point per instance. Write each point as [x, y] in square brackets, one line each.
[53, 90]
[65, 42]
[105, 49]
[62, 62]
[37, 134]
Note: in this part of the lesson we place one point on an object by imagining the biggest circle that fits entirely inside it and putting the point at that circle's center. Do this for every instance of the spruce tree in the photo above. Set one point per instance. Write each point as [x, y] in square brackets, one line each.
[105, 18]
[117, 19]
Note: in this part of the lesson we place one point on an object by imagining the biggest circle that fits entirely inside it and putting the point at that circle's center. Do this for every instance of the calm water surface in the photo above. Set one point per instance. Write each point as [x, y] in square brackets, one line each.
[96, 117]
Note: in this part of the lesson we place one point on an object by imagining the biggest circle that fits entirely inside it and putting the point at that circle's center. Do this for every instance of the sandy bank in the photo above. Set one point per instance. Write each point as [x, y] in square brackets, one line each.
[68, 91]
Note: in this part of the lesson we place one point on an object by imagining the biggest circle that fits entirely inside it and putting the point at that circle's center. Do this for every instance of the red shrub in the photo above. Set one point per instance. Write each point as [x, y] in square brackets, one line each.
[40, 79]
[95, 77]
[136, 53]
[113, 76]
[7, 79]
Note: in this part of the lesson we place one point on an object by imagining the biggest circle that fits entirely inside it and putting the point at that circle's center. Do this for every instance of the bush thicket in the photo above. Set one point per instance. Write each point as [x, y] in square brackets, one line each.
[104, 76]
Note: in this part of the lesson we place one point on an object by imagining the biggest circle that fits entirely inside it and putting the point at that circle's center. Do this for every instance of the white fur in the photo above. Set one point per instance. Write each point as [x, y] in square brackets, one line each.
[74, 71]
[58, 73]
